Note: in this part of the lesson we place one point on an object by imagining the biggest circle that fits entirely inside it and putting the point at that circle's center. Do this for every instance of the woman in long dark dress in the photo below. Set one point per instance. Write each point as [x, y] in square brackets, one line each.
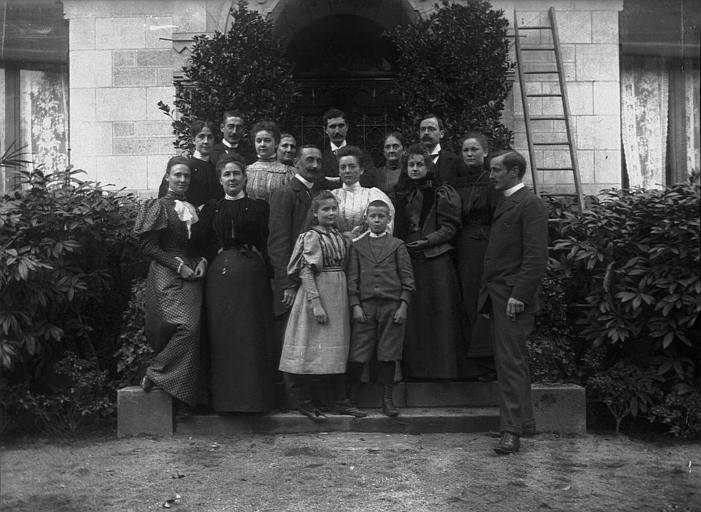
[238, 295]
[478, 202]
[173, 287]
[428, 217]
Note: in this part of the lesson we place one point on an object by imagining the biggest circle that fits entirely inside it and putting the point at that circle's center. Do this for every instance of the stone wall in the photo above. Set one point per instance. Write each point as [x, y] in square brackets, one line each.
[588, 33]
[122, 59]
[122, 55]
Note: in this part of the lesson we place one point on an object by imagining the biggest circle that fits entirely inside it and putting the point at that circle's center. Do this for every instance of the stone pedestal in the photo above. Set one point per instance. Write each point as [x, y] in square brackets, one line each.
[560, 408]
[144, 413]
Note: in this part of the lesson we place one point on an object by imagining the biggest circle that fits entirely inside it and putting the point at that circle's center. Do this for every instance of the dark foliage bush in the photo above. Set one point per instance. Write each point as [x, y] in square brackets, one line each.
[79, 393]
[625, 389]
[243, 69]
[680, 411]
[134, 352]
[634, 261]
[67, 258]
[455, 63]
[551, 347]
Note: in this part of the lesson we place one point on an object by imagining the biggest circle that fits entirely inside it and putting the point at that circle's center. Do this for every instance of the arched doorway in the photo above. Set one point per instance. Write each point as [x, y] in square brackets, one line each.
[342, 59]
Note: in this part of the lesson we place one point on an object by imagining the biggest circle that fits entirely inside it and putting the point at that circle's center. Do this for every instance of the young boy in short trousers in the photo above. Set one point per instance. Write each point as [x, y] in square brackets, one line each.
[380, 283]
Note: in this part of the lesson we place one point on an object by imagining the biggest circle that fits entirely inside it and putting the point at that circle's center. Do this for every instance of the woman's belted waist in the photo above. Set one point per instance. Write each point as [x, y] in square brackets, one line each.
[245, 249]
[332, 269]
[180, 252]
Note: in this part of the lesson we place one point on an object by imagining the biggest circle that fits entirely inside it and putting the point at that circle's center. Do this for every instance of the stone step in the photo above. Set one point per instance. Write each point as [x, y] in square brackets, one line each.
[433, 394]
[426, 407]
[410, 421]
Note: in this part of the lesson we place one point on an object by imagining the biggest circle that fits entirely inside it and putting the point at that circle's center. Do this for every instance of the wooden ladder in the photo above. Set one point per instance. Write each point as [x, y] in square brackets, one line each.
[564, 118]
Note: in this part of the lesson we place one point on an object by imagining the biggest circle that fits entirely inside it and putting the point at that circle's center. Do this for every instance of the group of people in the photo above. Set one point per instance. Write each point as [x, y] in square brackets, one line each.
[319, 265]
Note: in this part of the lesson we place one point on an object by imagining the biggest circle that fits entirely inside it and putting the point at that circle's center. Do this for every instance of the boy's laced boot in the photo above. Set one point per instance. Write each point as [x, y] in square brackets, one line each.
[385, 376]
[388, 408]
[354, 372]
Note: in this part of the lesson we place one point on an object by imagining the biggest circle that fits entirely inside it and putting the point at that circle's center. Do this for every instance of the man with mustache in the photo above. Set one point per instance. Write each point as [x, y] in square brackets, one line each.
[336, 127]
[232, 128]
[290, 215]
[447, 166]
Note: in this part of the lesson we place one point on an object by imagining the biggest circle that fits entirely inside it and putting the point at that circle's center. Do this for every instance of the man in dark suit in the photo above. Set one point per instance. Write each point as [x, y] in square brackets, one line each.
[290, 215]
[448, 166]
[233, 141]
[336, 127]
[515, 261]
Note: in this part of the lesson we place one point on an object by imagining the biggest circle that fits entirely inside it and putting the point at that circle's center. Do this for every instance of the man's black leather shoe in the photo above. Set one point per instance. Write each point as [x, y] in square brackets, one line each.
[509, 443]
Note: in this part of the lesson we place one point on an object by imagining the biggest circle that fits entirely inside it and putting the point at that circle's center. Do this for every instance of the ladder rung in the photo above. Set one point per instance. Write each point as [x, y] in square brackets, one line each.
[553, 72]
[550, 95]
[551, 143]
[547, 118]
[554, 169]
[546, 49]
[544, 27]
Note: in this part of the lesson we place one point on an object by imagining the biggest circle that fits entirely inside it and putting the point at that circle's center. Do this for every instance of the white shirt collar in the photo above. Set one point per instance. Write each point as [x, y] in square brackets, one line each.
[200, 156]
[306, 183]
[238, 196]
[352, 188]
[376, 235]
[511, 191]
[334, 147]
[437, 149]
[226, 143]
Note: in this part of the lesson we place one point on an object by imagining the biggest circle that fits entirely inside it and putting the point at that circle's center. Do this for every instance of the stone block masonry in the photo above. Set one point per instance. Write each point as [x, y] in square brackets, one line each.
[588, 35]
[143, 413]
[122, 59]
[121, 63]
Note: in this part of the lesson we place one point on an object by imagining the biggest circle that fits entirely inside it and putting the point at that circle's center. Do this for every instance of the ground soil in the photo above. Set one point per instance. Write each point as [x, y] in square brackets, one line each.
[350, 472]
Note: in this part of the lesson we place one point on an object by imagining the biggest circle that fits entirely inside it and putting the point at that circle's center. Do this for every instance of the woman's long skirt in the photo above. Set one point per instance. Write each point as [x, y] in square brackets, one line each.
[173, 312]
[433, 331]
[311, 347]
[239, 314]
[477, 357]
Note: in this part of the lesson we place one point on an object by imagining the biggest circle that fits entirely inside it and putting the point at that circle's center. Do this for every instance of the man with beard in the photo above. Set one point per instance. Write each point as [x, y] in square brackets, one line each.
[290, 215]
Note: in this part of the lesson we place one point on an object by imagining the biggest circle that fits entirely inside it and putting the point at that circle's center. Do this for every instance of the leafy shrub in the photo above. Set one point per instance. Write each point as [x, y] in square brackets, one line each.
[455, 63]
[680, 411]
[67, 258]
[552, 358]
[134, 351]
[640, 250]
[79, 394]
[625, 389]
[634, 258]
[552, 354]
[243, 69]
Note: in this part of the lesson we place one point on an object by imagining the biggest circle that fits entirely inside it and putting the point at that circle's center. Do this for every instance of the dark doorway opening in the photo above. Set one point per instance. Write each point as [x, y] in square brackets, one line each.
[344, 61]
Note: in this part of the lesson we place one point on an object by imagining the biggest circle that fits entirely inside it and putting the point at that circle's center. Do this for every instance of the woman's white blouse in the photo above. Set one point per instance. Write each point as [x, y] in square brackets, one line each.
[353, 200]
